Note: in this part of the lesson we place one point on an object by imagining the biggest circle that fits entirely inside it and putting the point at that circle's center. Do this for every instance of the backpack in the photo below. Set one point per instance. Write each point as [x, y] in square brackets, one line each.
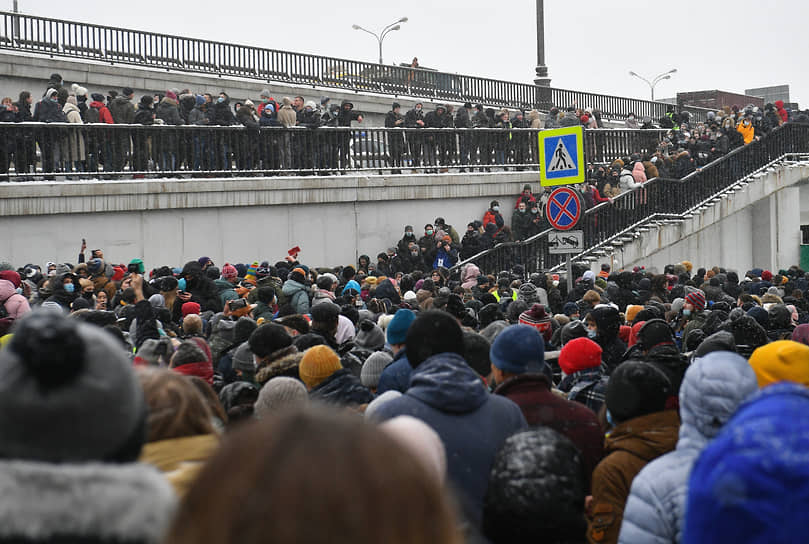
[5, 321]
[92, 115]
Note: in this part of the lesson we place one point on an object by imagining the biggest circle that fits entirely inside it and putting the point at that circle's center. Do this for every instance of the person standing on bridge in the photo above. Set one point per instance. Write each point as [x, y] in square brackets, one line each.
[395, 119]
[414, 119]
[463, 119]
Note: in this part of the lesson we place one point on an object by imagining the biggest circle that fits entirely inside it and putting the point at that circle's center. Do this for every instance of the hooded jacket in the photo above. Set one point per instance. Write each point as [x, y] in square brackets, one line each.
[169, 111]
[298, 296]
[202, 289]
[714, 386]
[607, 320]
[15, 304]
[450, 397]
[122, 110]
[630, 446]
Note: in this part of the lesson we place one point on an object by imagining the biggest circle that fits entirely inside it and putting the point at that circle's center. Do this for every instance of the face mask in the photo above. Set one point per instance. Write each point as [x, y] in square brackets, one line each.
[69, 287]
[181, 283]
[414, 253]
[19, 290]
[220, 99]
[428, 232]
[631, 117]
[409, 234]
[591, 334]
[495, 208]
[534, 210]
[609, 419]
[522, 210]
[88, 296]
[687, 313]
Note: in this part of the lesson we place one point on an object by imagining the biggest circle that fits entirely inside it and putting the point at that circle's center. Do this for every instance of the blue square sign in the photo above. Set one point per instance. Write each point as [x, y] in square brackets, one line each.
[561, 156]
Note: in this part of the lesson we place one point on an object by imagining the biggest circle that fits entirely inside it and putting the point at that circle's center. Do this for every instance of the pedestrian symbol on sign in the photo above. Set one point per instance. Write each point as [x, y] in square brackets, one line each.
[561, 158]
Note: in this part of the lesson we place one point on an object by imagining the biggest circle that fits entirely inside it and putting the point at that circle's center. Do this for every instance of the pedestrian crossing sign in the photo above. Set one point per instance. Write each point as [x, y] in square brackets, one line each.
[561, 156]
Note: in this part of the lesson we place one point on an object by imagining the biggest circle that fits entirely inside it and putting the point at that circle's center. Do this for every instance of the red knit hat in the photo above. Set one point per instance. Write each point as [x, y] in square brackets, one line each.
[11, 276]
[696, 299]
[118, 273]
[229, 271]
[624, 332]
[633, 336]
[579, 354]
[537, 318]
[766, 275]
[190, 308]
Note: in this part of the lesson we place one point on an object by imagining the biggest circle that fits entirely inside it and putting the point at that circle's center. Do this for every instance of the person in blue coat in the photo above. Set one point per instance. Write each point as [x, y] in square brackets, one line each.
[713, 388]
[396, 376]
[751, 484]
[448, 395]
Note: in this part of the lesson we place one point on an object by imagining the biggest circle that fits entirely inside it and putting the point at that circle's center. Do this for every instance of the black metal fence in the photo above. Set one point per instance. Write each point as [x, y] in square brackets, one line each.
[40, 150]
[57, 37]
[657, 199]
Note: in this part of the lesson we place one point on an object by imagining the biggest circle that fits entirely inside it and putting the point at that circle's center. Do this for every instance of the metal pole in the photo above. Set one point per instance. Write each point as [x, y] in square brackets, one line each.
[380, 51]
[541, 70]
[569, 267]
[16, 24]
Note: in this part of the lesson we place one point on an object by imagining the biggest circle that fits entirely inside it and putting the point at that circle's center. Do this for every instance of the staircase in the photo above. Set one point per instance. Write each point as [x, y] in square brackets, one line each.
[661, 201]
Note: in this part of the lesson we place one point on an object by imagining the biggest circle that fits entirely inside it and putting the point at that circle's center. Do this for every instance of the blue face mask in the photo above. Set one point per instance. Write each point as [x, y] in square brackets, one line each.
[686, 313]
[69, 287]
[220, 99]
[181, 284]
[609, 419]
[591, 334]
[19, 290]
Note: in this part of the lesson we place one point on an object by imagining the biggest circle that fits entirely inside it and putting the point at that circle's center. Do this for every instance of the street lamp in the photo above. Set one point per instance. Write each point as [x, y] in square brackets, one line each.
[657, 79]
[384, 32]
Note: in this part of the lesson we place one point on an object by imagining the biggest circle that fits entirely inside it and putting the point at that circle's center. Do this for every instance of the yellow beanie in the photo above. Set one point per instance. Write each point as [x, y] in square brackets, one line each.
[631, 311]
[784, 360]
[317, 364]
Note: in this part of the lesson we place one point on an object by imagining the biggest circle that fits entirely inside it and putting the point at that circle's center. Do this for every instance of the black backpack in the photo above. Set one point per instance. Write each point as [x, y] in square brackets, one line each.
[92, 115]
[5, 321]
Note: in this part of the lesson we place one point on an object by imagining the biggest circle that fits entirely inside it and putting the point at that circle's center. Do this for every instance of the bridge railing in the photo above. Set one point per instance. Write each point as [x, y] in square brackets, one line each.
[37, 150]
[657, 199]
[58, 37]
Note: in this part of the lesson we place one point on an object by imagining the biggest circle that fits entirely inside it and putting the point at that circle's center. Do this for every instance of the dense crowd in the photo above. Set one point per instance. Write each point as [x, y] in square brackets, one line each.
[352, 404]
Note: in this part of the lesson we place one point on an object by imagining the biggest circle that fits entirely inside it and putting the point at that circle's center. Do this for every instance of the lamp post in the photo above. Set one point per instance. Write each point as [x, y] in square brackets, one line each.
[657, 79]
[542, 78]
[384, 32]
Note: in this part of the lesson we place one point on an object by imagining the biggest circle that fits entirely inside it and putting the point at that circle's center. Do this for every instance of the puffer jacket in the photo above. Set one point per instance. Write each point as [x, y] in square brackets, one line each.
[298, 296]
[343, 389]
[631, 445]
[714, 386]
[15, 304]
[449, 396]
[469, 276]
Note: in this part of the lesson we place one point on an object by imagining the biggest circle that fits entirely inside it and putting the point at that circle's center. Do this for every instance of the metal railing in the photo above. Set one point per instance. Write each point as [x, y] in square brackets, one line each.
[658, 199]
[57, 37]
[91, 151]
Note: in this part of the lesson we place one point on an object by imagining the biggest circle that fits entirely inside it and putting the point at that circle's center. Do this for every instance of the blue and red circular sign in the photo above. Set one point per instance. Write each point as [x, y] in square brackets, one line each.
[563, 208]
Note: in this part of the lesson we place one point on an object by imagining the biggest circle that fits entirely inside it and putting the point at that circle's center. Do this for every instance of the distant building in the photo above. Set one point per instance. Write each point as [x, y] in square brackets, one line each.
[715, 100]
[771, 94]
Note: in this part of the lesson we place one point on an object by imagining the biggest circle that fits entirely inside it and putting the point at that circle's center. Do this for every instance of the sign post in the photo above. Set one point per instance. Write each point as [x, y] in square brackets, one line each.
[566, 242]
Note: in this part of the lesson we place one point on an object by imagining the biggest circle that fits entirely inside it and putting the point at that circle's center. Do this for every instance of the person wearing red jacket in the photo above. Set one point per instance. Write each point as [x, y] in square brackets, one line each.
[493, 215]
[526, 196]
[101, 114]
[779, 104]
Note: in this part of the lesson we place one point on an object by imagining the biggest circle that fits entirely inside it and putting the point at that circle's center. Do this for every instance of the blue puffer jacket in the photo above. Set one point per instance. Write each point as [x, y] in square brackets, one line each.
[713, 388]
[751, 483]
[449, 396]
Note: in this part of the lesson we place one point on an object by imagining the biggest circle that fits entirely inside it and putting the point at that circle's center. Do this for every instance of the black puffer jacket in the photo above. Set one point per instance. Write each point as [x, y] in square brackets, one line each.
[203, 291]
[342, 388]
[608, 321]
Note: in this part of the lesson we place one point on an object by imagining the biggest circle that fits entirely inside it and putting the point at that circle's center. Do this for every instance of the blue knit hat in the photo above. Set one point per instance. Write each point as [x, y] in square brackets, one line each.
[518, 349]
[397, 328]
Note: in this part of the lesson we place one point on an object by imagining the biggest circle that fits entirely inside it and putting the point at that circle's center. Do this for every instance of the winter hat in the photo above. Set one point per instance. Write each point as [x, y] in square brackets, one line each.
[761, 316]
[409, 297]
[171, 95]
[517, 348]
[537, 318]
[766, 275]
[655, 332]
[801, 334]
[749, 482]
[243, 359]
[570, 308]
[188, 352]
[374, 405]
[190, 308]
[369, 335]
[61, 269]
[373, 367]
[529, 293]
[229, 272]
[147, 100]
[269, 338]
[696, 299]
[279, 393]
[243, 329]
[97, 97]
[397, 328]
[574, 329]
[345, 329]
[317, 364]
[579, 354]
[61, 377]
[298, 275]
[784, 360]
[636, 389]
[421, 441]
[632, 311]
[12, 276]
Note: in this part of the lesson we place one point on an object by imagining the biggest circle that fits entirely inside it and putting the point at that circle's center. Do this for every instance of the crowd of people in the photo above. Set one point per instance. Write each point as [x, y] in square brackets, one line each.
[227, 402]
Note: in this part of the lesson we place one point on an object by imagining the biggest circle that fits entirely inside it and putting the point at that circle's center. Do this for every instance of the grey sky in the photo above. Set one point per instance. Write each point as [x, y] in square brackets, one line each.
[590, 46]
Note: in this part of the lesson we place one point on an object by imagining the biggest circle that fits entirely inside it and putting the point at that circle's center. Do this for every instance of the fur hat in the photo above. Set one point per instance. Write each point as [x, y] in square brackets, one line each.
[373, 367]
[636, 389]
[317, 364]
[62, 378]
[279, 393]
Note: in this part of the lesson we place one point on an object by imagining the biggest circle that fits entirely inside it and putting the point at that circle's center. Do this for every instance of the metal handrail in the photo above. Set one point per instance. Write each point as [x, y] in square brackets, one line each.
[57, 37]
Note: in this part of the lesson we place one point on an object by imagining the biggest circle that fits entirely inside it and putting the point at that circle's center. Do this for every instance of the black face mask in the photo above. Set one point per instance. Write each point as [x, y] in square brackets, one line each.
[88, 296]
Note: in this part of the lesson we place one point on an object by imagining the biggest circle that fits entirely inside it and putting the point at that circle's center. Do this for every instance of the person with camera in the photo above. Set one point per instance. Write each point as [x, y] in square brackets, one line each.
[446, 253]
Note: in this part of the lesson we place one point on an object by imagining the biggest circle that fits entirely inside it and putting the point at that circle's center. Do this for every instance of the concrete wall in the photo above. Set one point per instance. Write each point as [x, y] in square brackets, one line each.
[333, 219]
[758, 225]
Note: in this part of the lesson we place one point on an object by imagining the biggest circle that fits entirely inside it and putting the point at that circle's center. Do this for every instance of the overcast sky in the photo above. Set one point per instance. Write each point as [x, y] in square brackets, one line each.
[590, 45]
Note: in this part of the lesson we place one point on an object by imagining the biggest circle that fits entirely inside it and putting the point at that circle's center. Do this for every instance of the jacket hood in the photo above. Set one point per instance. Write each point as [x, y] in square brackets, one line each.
[342, 388]
[291, 287]
[608, 321]
[6, 290]
[647, 437]
[713, 388]
[448, 384]
[470, 273]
